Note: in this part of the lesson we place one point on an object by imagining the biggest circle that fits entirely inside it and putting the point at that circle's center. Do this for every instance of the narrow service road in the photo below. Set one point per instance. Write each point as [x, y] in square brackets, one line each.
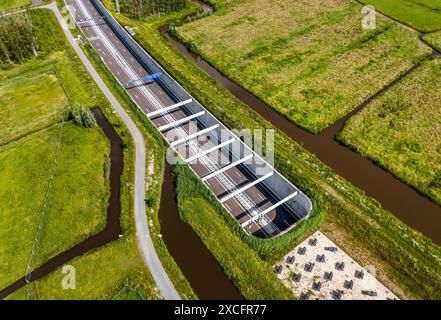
[145, 243]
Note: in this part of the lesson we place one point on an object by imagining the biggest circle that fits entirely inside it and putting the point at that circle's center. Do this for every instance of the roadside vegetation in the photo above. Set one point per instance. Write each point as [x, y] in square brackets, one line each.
[113, 271]
[422, 15]
[401, 130]
[310, 61]
[143, 9]
[407, 262]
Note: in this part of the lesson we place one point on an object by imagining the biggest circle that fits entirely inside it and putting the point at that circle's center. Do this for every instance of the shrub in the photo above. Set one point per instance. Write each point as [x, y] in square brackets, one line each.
[83, 116]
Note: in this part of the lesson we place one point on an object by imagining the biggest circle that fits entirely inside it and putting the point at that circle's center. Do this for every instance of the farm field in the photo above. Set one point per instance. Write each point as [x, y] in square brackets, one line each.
[434, 39]
[11, 4]
[401, 130]
[81, 186]
[76, 204]
[30, 102]
[423, 15]
[354, 221]
[311, 61]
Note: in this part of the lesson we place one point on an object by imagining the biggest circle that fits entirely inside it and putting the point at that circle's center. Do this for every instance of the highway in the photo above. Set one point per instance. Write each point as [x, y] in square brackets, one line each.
[242, 196]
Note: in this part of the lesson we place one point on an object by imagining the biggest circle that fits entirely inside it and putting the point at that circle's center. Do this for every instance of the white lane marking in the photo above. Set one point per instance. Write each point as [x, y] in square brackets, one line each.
[225, 181]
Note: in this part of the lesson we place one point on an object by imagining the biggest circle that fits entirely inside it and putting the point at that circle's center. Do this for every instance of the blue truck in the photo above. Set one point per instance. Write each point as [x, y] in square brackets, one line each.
[141, 81]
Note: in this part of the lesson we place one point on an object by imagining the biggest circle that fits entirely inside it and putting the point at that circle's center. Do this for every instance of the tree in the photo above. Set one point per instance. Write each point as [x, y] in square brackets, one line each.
[83, 116]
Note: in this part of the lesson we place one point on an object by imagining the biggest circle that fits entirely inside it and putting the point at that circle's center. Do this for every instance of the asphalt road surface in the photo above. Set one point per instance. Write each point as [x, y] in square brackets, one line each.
[151, 97]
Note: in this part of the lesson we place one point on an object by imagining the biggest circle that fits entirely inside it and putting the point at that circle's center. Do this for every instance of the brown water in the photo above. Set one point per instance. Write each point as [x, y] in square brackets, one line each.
[112, 230]
[195, 261]
[403, 201]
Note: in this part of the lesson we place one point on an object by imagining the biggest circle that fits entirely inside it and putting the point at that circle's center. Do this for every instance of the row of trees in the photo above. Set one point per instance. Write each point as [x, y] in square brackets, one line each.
[17, 42]
[145, 8]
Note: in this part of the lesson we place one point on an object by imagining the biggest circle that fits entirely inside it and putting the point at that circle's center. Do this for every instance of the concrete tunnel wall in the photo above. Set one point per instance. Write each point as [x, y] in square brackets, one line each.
[276, 184]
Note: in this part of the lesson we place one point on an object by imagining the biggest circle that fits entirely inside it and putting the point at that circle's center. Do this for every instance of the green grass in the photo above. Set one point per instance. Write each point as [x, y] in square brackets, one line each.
[422, 15]
[406, 259]
[401, 130]
[434, 39]
[251, 275]
[11, 4]
[311, 62]
[29, 103]
[76, 205]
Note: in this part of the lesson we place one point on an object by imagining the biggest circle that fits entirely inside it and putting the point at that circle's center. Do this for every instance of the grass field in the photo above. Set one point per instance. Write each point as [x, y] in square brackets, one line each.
[402, 130]
[434, 39]
[76, 205]
[11, 4]
[406, 261]
[423, 15]
[311, 61]
[30, 102]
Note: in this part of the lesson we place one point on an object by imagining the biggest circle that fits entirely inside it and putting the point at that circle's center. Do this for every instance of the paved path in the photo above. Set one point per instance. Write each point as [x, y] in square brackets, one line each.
[145, 243]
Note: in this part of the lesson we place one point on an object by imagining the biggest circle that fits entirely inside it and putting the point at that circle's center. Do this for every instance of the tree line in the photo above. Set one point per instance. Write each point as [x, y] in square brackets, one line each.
[145, 8]
[17, 42]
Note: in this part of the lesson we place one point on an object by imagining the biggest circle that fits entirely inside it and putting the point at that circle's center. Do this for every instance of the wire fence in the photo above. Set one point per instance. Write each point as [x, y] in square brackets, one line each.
[43, 214]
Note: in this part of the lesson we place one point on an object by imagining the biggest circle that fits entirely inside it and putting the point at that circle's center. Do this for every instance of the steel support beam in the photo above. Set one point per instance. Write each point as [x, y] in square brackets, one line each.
[194, 135]
[266, 211]
[203, 153]
[167, 109]
[244, 188]
[231, 165]
[180, 121]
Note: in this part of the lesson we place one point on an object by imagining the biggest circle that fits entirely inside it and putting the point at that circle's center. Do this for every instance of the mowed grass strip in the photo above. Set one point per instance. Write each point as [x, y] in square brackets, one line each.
[76, 205]
[29, 103]
[401, 130]
[309, 60]
[423, 15]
